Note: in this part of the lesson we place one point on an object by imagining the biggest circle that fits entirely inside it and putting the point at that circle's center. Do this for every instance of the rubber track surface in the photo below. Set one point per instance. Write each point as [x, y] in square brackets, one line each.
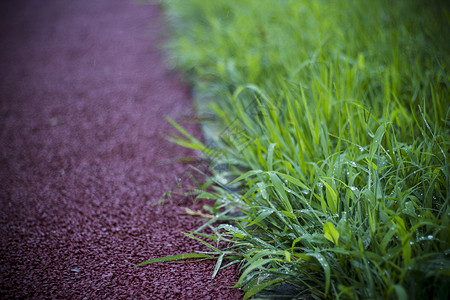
[83, 95]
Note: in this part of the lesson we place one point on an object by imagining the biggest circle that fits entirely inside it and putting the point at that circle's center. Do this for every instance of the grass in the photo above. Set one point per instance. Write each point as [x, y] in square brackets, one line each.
[336, 142]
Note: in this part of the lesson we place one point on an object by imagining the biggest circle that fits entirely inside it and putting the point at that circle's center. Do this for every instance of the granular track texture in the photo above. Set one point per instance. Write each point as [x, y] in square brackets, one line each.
[83, 95]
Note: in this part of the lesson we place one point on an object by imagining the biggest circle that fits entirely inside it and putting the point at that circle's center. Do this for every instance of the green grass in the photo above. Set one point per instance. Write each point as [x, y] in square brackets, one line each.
[337, 141]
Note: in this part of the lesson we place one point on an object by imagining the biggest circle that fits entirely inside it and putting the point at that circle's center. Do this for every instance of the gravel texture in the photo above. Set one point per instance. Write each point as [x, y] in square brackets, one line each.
[83, 95]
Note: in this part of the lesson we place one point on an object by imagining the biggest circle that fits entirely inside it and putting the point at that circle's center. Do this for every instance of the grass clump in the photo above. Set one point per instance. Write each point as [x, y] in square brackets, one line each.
[337, 141]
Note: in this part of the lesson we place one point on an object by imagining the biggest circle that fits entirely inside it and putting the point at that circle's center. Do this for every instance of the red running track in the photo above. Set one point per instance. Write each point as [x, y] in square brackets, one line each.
[83, 94]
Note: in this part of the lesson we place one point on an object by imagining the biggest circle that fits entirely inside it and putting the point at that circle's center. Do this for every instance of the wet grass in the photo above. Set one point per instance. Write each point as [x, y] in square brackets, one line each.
[336, 142]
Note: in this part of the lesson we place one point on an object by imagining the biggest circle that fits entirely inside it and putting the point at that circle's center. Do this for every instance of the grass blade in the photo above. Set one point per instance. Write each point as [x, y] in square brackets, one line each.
[174, 258]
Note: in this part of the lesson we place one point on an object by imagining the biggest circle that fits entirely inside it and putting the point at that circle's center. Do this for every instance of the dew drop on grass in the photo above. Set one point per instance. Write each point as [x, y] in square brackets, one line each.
[353, 164]
[344, 216]
[221, 179]
[426, 238]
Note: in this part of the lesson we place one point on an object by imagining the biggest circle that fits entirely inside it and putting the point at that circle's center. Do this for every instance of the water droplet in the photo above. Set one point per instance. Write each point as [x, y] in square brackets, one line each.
[353, 164]
[221, 179]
